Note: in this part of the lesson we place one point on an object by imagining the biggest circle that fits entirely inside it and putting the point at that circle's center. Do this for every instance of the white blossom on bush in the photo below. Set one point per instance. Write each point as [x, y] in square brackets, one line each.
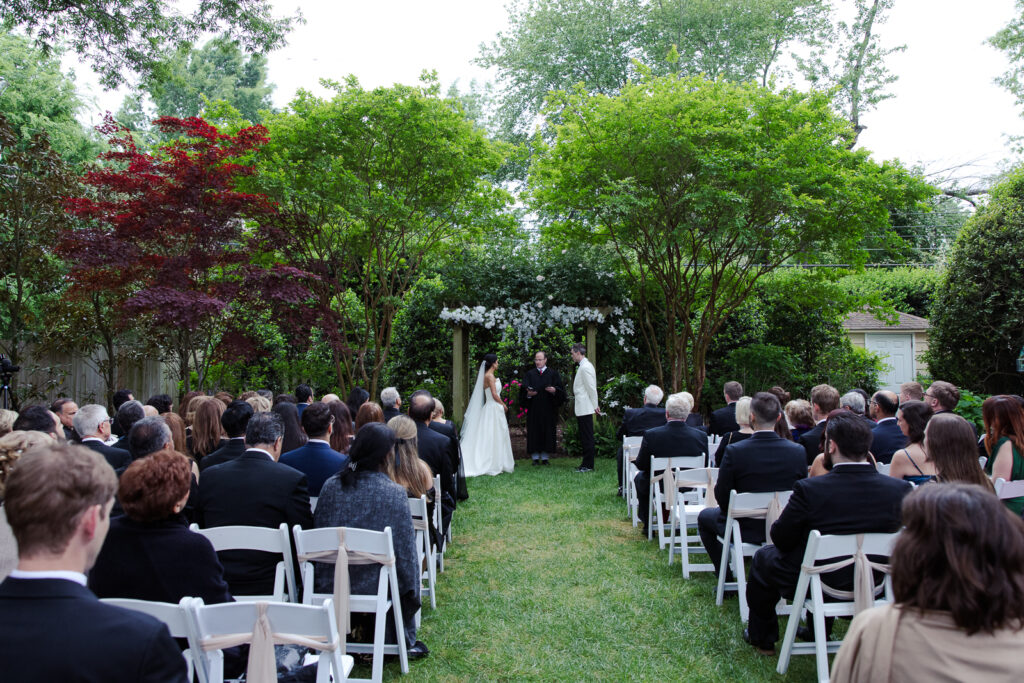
[526, 319]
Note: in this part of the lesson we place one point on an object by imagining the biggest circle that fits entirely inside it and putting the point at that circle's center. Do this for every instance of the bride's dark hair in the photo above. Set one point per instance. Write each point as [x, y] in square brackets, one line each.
[489, 360]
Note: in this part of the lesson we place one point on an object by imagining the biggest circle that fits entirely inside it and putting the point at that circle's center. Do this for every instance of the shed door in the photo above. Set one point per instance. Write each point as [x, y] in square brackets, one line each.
[897, 351]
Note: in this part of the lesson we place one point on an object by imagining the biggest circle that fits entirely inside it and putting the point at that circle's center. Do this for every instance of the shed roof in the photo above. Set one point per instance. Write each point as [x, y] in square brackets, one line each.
[861, 322]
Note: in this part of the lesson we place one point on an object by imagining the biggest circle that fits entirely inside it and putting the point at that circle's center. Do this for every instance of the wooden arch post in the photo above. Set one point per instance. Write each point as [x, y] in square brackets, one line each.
[460, 371]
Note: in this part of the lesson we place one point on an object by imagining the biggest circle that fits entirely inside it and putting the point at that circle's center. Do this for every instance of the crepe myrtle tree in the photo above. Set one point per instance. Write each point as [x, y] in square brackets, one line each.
[170, 235]
[703, 188]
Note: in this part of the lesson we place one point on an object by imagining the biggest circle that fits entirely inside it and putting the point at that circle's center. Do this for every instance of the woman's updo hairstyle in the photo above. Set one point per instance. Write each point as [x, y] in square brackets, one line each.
[369, 451]
[489, 360]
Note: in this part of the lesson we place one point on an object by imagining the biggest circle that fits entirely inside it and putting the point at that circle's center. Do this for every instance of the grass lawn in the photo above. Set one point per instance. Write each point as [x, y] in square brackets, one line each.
[547, 580]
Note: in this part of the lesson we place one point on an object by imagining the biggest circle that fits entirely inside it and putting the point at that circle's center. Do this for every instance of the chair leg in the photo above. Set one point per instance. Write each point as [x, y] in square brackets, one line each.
[380, 623]
[739, 571]
[723, 566]
[799, 597]
[820, 639]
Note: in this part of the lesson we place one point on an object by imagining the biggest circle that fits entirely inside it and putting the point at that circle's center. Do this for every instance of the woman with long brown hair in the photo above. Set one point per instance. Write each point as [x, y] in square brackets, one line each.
[405, 468]
[1004, 442]
[341, 437]
[207, 431]
[958, 580]
[185, 406]
[369, 412]
[952, 446]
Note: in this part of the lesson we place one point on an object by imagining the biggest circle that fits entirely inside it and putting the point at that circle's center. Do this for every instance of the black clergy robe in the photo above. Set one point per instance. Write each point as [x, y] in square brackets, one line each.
[542, 409]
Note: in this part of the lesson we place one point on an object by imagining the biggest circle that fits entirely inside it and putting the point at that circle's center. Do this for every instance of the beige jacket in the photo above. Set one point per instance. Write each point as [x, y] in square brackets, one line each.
[584, 389]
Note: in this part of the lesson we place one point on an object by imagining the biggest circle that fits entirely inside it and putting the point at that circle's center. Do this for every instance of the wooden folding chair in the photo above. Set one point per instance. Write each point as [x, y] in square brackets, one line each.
[258, 538]
[837, 552]
[178, 622]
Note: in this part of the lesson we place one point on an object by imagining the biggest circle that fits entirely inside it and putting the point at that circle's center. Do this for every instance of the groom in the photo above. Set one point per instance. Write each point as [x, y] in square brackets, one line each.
[584, 390]
[541, 395]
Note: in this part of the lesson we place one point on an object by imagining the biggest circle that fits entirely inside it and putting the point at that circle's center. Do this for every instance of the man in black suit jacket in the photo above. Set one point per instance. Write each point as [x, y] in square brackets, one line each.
[723, 420]
[887, 437]
[51, 627]
[254, 489]
[824, 399]
[673, 439]
[128, 414]
[435, 450]
[234, 420]
[851, 499]
[93, 423]
[391, 403]
[764, 462]
[636, 421]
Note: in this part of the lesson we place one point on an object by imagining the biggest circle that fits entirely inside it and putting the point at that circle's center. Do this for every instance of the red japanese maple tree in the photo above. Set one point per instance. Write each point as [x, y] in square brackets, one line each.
[170, 234]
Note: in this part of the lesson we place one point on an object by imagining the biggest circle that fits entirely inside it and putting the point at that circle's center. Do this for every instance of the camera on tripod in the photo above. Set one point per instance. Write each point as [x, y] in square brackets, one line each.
[7, 370]
[6, 366]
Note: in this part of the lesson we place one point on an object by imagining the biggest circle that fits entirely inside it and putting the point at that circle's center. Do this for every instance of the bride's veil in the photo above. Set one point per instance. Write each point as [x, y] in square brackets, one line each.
[476, 403]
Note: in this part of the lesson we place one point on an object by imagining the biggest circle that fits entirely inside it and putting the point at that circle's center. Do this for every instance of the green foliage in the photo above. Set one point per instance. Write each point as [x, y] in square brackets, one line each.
[621, 392]
[969, 408]
[978, 316]
[606, 443]
[1011, 41]
[910, 290]
[123, 35]
[421, 356]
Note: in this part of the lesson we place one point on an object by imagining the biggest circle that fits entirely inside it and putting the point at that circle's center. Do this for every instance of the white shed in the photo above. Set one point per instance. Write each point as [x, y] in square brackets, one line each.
[901, 344]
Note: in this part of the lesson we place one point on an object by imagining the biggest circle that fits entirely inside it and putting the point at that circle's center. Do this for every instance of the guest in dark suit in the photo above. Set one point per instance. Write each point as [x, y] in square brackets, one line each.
[636, 421]
[317, 460]
[38, 419]
[45, 601]
[434, 450]
[855, 402]
[65, 410]
[390, 403]
[254, 489]
[121, 396]
[764, 462]
[723, 420]
[447, 428]
[887, 437]
[824, 399]
[853, 498]
[673, 439]
[234, 420]
[303, 398]
[128, 414]
[93, 423]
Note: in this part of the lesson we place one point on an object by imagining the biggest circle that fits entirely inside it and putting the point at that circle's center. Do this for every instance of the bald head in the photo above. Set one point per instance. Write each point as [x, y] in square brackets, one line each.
[884, 404]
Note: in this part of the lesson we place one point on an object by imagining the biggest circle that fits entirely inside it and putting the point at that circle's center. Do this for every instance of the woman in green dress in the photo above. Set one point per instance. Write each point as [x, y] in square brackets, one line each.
[1004, 442]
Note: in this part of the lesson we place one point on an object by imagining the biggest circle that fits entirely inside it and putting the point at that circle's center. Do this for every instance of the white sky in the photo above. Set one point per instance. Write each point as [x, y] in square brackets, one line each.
[947, 110]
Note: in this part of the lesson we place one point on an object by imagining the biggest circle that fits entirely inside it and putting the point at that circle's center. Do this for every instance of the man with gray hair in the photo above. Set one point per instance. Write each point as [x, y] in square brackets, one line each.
[391, 402]
[636, 421]
[854, 402]
[93, 424]
[128, 414]
[148, 436]
[254, 489]
[674, 439]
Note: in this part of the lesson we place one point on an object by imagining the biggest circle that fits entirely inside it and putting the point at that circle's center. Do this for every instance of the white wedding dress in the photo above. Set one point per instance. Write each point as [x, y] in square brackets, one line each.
[486, 446]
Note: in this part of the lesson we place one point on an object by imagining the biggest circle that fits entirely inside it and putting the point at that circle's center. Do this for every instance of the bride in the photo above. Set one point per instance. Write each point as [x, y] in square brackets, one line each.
[486, 446]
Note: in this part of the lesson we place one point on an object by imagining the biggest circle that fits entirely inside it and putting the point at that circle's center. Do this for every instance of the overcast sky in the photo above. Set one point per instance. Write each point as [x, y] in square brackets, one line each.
[946, 110]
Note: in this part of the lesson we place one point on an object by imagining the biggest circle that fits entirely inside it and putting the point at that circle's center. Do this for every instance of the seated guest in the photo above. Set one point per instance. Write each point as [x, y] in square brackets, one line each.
[58, 501]
[128, 414]
[369, 412]
[317, 460]
[162, 403]
[799, 417]
[1004, 442]
[912, 463]
[294, 437]
[673, 439]
[364, 497]
[224, 397]
[329, 398]
[284, 398]
[254, 489]
[438, 415]
[391, 403]
[636, 421]
[121, 396]
[178, 432]
[357, 397]
[303, 397]
[694, 419]
[824, 399]
[853, 498]
[855, 402]
[207, 432]
[12, 445]
[93, 424]
[742, 416]
[942, 397]
[723, 420]
[433, 449]
[949, 443]
[341, 430]
[65, 409]
[260, 404]
[887, 437]
[958, 580]
[406, 469]
[7, 418]
[446, 428]
[764, 462]
[152, 435]
[911, 391]
[233, 421]
[39, 419]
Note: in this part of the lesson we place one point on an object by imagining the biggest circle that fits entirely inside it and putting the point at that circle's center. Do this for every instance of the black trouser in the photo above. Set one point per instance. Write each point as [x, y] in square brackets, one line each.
[770, 580]
[619, 465]
[586, 425]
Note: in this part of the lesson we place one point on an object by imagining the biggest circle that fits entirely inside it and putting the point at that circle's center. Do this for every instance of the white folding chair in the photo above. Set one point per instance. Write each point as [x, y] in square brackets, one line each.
[235, 623]
[258, 538]
[1008, 489]
[312, 503]
[883, 468]
[684, 518]
[744, 506]
[365, 547]
[713, 441]
[982, 461]
[656, 505]
[837, 551]
[439, 524]
[630, 449]
[428, 568]
[179, 623]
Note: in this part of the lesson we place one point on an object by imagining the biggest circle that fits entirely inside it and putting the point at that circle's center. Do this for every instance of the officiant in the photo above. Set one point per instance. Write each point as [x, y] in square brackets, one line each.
[541, 394]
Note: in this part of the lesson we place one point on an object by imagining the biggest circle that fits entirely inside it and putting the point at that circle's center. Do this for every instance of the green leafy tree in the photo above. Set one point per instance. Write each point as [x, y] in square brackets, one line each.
[120, 36]
[704, 188]
[376, 181]
[1011, 41]
[978, 315]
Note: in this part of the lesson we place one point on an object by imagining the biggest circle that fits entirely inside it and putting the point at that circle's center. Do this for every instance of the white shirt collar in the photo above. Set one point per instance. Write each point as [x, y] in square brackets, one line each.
[260, 450]
[764, 431]
[237, 438]
[92, 438]
[326, 443]
[541, 370]
[77, 577]
[885, 419]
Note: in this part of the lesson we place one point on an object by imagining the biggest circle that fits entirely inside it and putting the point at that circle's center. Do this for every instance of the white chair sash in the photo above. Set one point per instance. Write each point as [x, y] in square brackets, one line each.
[262, 667]
[669, 478]
[709, 498]
[863, 593]
[770, 514]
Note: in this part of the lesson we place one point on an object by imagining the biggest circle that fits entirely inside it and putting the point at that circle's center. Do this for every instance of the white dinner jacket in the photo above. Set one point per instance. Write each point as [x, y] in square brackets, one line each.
[584, 389]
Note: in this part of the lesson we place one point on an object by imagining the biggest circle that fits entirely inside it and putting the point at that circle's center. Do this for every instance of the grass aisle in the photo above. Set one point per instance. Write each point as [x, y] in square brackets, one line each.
[546, 580]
